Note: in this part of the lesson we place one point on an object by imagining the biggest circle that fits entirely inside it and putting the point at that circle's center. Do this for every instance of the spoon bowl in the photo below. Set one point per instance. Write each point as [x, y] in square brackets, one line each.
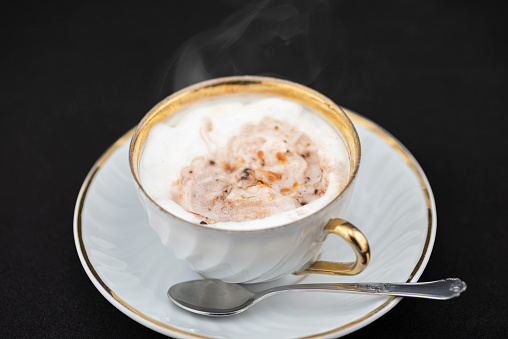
[211, 297]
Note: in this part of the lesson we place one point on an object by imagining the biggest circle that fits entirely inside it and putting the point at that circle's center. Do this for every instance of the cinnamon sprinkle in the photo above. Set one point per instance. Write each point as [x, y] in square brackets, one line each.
[287, 190]
[281, 157]
[259, 183]
[227, 166]
[272, 176]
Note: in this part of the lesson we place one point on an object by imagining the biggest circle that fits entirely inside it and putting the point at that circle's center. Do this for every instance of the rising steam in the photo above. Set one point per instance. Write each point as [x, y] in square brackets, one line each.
[285, 39]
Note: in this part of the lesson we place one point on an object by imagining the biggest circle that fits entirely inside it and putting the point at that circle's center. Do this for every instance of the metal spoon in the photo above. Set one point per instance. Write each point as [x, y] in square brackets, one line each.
[216, 298]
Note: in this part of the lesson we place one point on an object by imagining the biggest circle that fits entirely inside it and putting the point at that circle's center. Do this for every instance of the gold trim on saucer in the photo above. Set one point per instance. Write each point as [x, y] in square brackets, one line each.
[404, 153]
[357, 119]
[81, 246]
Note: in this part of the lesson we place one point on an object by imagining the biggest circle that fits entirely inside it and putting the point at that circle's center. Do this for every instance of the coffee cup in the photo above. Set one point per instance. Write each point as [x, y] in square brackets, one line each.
[270, 247]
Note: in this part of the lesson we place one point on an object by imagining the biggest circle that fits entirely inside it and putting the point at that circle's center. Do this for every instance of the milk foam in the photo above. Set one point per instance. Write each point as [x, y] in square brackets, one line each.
[173, 144]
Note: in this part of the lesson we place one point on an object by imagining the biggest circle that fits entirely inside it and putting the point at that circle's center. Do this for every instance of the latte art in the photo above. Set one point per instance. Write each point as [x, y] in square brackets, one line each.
[243, 160]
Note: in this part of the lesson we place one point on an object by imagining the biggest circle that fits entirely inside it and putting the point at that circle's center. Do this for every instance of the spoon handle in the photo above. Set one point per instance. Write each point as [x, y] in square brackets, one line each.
[440, 289]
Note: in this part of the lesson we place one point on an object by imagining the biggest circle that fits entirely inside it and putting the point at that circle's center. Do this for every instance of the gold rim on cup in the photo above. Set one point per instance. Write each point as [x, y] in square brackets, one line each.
[316, 101]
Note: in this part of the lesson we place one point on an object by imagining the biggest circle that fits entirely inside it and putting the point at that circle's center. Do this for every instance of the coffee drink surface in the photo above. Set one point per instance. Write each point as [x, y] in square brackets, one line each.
[252, 161]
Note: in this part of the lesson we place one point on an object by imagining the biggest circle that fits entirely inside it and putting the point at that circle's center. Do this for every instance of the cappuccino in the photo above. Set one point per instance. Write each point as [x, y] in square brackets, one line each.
[249, 160]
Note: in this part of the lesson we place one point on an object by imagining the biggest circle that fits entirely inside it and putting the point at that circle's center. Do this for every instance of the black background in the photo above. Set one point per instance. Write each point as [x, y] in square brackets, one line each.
[75, 76]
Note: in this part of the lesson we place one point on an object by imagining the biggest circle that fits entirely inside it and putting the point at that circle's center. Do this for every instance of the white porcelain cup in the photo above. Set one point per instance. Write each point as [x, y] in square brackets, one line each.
[251, 256]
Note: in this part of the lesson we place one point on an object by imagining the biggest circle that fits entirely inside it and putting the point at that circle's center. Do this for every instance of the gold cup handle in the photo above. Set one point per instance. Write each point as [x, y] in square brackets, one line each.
[355, 239]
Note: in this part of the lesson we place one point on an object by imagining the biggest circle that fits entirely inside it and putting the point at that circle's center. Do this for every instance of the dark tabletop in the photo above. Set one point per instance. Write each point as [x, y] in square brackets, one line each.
[75, 76]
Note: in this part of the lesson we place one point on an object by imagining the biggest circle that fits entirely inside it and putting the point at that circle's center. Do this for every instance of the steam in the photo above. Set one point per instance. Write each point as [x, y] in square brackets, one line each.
[284, 39]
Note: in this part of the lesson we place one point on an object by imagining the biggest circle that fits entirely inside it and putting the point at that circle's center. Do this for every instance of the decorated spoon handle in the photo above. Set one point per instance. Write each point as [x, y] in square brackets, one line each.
[440, 289]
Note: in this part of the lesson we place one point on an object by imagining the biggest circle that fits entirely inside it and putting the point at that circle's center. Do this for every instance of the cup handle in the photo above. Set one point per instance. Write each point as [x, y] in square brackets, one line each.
[355, 239]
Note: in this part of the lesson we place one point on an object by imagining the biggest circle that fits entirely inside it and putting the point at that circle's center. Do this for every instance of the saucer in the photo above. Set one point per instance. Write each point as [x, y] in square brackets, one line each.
[392, 204]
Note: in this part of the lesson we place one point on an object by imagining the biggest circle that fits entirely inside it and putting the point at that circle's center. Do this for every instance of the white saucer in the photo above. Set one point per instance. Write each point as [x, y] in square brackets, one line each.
[392, 204]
